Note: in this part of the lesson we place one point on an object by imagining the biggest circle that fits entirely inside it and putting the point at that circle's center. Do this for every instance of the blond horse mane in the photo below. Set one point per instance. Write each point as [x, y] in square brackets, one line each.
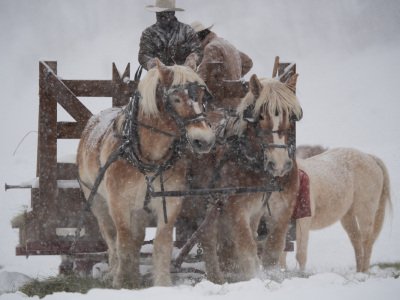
[274, 96]
[148, 86]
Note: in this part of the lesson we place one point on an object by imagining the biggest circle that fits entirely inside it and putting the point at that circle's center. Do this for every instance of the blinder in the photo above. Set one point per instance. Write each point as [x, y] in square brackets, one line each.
[193, 91]
[293, 117]
[248, 114]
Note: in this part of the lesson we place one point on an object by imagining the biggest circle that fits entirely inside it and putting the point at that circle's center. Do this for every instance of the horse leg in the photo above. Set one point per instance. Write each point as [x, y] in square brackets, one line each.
[377, 219]
[100, 210]
[366, 217]
[282, 260]
[368, 243]
[163, 242]
[247, 254]
[227, 252]
[130, 227]
[302, 235]
[274, 246]
[277, 228]
[383, 198]
[107, 230]
[209, 244]
[350, 224]
[244, 241]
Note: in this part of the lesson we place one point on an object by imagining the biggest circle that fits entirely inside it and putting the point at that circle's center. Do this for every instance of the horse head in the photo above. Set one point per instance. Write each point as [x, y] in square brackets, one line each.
[272, 108]
[179, 97]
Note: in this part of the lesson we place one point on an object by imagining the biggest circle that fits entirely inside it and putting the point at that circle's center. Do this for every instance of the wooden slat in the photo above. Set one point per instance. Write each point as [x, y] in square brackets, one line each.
[66, 98]
[90, 88]
[70, 130]
[59, 247]
[281, 70]
[67, 171]
[98, 88]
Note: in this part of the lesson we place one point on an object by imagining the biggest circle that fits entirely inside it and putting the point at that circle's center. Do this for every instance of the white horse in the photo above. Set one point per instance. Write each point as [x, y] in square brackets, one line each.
[350, 186]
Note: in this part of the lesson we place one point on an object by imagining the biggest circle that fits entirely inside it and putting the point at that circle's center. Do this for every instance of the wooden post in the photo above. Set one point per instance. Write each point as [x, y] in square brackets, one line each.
[47, 153]
[120, 86]
[275, 69]
[285, 71]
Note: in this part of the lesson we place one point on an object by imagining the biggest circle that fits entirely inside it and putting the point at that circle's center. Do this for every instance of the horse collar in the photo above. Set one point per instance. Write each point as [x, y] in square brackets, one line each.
[131, 141]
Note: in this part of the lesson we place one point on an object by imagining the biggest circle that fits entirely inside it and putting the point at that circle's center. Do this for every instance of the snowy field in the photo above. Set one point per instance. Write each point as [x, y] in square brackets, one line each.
[348, 56]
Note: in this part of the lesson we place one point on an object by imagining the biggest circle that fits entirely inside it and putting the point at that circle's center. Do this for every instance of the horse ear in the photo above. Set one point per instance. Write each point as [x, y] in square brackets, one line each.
[255, 85]
[291, 83]
[191, 62]
[166, 75]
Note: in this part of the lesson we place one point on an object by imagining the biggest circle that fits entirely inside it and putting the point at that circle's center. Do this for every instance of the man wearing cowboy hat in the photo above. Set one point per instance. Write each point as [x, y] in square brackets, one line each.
[169, 40]
[221, 62]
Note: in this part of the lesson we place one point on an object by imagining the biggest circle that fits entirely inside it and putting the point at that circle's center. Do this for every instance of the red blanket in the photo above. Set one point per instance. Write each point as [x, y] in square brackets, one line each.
[302, 208]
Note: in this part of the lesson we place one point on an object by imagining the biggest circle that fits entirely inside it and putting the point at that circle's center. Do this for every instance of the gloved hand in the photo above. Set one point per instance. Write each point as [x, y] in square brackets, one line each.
[151, 63]
[191, 61]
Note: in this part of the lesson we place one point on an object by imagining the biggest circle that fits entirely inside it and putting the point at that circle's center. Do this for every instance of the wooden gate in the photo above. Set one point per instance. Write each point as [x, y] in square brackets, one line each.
[48, 229]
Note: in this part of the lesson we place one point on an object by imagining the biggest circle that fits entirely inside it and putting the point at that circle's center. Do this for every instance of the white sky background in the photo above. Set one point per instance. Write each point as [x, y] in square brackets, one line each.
[347, 54]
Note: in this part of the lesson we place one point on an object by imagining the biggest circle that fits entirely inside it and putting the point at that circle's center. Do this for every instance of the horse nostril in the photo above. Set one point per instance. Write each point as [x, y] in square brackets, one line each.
[288, 165]
[271, 165]
[198, 144]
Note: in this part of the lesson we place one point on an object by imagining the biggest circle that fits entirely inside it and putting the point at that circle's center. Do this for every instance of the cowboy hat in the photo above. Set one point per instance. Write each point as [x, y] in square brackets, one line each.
[198, 26]
[163, 5]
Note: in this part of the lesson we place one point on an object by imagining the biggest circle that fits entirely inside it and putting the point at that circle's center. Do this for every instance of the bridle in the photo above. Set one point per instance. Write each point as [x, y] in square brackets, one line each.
[131, 139]
[261, 134]
[289, 146]
[191, 89]
[130, 132]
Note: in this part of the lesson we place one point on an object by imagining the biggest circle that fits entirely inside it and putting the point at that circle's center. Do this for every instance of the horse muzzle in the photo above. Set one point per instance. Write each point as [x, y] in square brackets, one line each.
[278, 169]
[201, 140]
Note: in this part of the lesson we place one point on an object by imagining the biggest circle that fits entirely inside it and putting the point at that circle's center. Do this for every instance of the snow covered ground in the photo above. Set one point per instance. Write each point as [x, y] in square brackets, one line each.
[347, 54]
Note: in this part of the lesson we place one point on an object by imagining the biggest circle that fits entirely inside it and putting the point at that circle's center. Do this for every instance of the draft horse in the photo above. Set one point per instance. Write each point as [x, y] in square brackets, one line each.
[258, 149]
[163, 119]
[350, 186]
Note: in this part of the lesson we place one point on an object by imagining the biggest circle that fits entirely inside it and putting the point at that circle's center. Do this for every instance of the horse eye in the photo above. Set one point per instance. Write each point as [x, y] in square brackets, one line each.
[177, 100]
[261, 117]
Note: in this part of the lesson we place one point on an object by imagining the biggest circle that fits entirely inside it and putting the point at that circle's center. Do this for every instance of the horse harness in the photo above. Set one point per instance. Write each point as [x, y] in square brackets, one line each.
[130, 146]
[238, 151]
[262, 134]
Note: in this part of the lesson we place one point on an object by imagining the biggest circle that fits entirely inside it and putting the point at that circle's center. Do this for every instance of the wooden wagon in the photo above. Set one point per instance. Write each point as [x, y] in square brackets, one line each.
[57, 203]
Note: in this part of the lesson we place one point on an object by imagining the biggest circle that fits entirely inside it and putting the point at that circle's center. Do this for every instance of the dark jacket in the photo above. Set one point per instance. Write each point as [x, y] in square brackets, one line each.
[171, 47]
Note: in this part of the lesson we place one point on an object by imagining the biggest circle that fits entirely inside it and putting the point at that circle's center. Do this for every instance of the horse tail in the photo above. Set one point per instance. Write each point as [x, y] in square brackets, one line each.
[385, 199]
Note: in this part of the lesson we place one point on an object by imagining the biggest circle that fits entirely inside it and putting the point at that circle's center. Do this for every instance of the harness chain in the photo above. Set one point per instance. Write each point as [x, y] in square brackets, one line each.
[235, 151]
[130, 149]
